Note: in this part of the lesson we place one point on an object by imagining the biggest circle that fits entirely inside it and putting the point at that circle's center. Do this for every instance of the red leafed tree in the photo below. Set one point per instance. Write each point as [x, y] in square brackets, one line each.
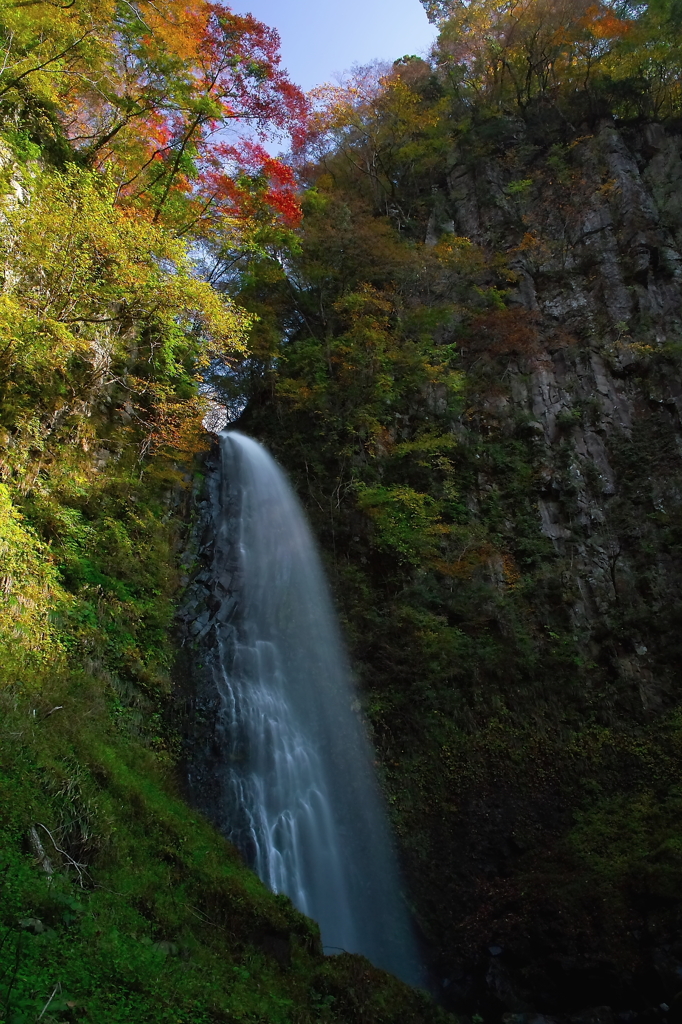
[261, 182]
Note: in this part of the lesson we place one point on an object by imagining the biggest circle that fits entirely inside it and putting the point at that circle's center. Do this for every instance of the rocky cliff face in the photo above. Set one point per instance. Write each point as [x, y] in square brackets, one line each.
[563, 853]
[597, 236]
[210, 599]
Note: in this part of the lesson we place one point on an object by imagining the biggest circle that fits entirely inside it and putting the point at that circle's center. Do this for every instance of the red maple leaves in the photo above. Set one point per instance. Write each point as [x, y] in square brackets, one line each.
[177, 103]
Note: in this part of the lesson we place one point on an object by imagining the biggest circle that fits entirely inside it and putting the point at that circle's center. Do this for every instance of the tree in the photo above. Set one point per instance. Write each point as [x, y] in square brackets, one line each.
[98, 305]
[150, 91]
[581, 57]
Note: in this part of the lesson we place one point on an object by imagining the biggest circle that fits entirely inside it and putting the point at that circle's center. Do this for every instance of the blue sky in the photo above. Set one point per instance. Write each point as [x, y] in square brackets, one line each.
[321, 37]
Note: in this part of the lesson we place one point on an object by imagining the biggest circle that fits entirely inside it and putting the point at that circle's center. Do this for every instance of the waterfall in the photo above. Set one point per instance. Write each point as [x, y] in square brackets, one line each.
[300, 794]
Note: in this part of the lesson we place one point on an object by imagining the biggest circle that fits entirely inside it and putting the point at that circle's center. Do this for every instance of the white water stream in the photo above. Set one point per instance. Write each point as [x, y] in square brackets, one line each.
[304, 803]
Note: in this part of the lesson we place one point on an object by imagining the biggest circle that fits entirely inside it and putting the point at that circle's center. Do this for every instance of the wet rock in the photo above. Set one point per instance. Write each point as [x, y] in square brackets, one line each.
[199, 623]
[505, 988]
[228, 609]
[225, 581]
[596, 1015]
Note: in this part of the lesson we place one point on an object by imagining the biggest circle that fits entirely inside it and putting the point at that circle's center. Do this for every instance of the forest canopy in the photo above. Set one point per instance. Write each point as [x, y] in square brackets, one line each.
[621, 58]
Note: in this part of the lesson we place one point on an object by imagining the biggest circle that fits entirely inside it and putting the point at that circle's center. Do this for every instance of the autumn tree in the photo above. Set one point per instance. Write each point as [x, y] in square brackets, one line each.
[581, 57]
[172, 99]
[386, 123]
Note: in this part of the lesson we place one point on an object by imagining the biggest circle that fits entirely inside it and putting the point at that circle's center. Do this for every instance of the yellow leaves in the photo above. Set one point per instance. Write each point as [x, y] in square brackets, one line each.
[534, 247]
[296, 392]
[172, 426]
[429, 450]
[53, 45]
[451, 268]
[529, 242]
[70, 53]
[366, 305]
[224, 325]
[511, 571]
[95, 301]
[374, 115]
[440, 374]
[405, 107]
[33, 344]
[407, 522]
[77, 271]
[522, 50]
[362, 355]
[178, 428]
[333, 106]
[460, 254]
[178, 26]
[608, 189]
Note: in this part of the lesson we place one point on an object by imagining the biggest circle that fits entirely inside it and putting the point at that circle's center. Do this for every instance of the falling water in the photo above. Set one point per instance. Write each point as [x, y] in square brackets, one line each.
[302, 799]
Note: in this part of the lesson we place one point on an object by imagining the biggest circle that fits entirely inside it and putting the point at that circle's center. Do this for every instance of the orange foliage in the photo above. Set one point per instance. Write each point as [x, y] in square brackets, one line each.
[505, 331]
[604, 24]
[467, 563]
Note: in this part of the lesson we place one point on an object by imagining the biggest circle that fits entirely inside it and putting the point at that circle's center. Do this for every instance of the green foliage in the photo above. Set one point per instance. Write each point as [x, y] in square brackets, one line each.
[144, 914]
[99, 311]
[406, 522]
[80, 279]
[30, 587]
[518, 188]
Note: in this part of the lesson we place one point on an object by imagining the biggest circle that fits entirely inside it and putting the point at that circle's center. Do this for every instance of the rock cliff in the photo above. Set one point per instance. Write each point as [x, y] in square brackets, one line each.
[596, 241]
[574, 900]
